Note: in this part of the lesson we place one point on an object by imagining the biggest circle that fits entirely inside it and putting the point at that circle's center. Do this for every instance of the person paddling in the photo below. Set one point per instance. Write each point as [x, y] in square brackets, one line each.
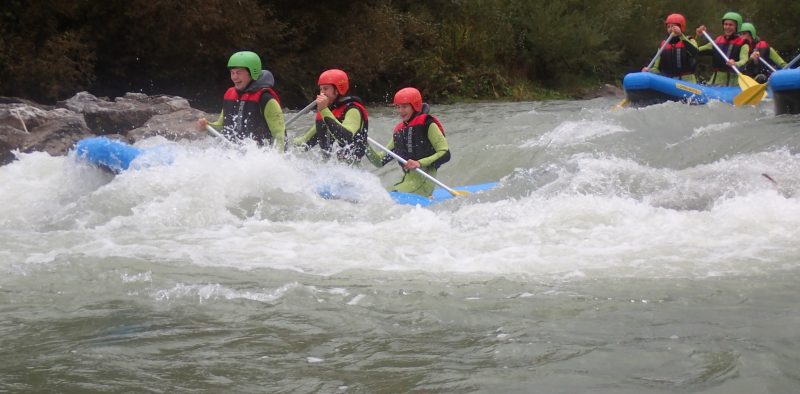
[419, 139]
[250, 108]
[734, 46]
[342, 121]
[759, 49]
[678, 60]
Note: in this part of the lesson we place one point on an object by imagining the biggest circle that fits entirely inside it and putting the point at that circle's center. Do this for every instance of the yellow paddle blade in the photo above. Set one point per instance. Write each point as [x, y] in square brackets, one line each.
[750, 96]
[622, 104]
[456, 193]
[746, 82]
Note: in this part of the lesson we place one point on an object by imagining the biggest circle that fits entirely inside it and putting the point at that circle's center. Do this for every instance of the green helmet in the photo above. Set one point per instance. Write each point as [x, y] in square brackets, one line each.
[248, 60]
[748, 27]
[733, 16]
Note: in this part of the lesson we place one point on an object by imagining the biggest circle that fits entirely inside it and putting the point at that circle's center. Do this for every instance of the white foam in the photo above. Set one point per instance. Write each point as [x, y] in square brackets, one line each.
[209, 292]
[595, 215]
[575, 132]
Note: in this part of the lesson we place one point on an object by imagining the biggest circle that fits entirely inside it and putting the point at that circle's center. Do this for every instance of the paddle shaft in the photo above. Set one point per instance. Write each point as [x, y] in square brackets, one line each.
[792, 63]
[664, 45]
[711, 40]
[624, 101]
[404, 161]
[216, 133]
[767, 64]
[301, 113]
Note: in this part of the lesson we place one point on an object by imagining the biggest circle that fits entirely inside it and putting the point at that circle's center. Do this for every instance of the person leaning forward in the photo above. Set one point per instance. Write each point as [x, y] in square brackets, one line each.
[342, 121]
[679, 58]
[250, 108]
[732, 44]
[419, 139]
[759, 49]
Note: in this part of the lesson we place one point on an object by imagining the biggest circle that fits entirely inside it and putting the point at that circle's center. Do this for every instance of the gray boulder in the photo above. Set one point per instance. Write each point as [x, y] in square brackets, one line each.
[27, 126]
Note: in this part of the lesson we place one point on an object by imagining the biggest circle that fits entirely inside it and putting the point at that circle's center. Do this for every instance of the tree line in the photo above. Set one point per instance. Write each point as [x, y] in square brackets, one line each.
[451, 49]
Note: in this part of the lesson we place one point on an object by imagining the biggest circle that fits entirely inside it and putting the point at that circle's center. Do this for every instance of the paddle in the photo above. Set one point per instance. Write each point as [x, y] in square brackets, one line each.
[744, 81]
[216, 133]
[624, 101]
[769, 66]
[664, 45]
[754, 94]
[423, 173]
[791, 64]
[301, 113]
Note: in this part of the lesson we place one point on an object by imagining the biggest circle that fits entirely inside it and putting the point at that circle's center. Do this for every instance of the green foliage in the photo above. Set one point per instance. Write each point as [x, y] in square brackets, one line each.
[43, 53]
[450, 49]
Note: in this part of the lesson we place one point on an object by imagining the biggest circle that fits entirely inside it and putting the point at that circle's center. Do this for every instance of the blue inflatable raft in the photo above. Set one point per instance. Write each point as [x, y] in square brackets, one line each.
[785, 85]
[644, 89]
[439, 194]
[111, 155]
[117, 156]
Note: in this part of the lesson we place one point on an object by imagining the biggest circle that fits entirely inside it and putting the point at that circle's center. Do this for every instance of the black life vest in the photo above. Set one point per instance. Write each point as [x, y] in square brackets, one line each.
[676, 60]
[411, 139]
[730, 46]
[350, 149]
[756, 67]
[244, 114]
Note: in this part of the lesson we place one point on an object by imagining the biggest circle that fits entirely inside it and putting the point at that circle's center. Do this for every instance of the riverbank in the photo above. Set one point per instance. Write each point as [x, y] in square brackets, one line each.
[27, 126]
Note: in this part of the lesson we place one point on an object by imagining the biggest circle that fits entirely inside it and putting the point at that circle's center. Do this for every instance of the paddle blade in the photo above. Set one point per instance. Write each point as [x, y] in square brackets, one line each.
[621, 104]
[459, 193]
[750, 96]
[745, 82]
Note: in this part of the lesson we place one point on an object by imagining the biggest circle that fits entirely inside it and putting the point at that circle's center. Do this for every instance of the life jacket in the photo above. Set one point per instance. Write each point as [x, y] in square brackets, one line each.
[244, 114]
[755, 68]
[676, 59]
[411, 139]
[350, 150]
[730, 46]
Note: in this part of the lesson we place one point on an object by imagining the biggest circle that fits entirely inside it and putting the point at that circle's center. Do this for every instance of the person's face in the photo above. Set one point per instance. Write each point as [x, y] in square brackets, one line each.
[747, 36]
[240, 77]
[328, 90]
[729, 27]
[670, 27]
[405, 111]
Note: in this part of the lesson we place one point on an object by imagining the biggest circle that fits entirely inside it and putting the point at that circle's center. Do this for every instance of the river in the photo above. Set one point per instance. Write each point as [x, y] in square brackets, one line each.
[630, 251]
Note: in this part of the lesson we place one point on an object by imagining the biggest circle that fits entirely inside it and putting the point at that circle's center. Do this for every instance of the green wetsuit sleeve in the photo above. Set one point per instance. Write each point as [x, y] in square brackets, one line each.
[217, 124]
[706, 49]
[744, 55]
[439, 144]
[345, 130]
[274, 117]
[776, 58]
[656, 64]
[303, 139]
[341, 131]
[380, 158]
[691, 45]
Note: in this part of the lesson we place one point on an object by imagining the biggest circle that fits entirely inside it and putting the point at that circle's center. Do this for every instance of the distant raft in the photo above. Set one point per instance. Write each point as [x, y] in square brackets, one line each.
[785, 85]
[643, 89]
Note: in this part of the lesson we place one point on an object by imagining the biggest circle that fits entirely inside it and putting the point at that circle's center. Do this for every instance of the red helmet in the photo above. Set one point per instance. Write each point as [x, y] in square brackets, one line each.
[676, 19]
[337, 78]
[409, 96]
